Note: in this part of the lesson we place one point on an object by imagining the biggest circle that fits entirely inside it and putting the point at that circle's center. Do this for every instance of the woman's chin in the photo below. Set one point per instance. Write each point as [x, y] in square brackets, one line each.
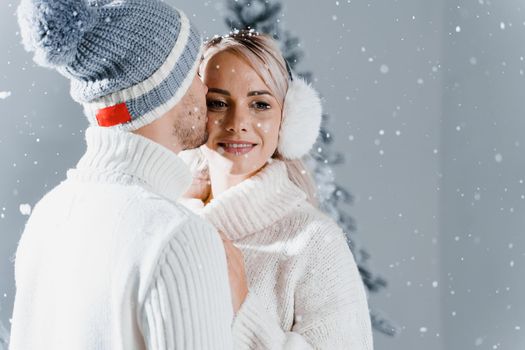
[244, 167]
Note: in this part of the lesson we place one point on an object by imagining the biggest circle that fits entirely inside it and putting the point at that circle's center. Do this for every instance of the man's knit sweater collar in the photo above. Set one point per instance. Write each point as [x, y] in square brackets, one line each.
[255, 203]
[126, 158]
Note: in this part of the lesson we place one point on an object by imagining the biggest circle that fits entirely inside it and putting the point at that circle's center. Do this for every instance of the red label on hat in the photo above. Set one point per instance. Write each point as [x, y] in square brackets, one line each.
[113, 115]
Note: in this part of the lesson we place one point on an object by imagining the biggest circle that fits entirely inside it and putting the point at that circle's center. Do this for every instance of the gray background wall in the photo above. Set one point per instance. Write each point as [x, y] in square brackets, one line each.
[425, 99]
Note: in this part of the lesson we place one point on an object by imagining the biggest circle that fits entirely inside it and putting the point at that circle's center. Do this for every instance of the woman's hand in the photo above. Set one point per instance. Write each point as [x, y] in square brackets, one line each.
[236, 272]
[200, 188]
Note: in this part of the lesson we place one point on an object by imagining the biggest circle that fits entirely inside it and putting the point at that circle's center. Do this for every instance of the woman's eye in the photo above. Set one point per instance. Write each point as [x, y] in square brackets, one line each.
[215, 104]
[261, 105]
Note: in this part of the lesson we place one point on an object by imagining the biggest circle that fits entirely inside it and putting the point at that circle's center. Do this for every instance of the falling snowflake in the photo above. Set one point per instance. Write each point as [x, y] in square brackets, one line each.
[25, 209]
[478, 341]
[4, 94]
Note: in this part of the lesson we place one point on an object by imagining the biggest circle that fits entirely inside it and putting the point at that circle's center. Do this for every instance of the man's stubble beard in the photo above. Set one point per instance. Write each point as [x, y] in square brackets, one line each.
[189, 137]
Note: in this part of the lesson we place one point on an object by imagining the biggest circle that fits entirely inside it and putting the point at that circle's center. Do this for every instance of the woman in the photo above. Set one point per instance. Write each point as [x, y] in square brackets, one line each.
[301, 288]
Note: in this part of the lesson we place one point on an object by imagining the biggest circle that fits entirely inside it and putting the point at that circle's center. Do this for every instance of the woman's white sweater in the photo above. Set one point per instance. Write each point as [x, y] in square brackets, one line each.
[109, 259]
[305, 291]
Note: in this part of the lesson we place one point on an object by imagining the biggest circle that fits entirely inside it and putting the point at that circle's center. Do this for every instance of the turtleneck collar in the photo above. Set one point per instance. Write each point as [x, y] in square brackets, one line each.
[255, 203]
[125, 157]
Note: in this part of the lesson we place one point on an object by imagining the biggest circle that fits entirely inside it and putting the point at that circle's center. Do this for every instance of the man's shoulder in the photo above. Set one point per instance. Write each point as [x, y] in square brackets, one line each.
[133, 196]
[132, 208]
[148, 224]
[157, 207]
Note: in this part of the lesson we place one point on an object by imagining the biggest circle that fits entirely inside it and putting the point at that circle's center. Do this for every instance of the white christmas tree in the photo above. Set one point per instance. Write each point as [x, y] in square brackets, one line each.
[4, 337]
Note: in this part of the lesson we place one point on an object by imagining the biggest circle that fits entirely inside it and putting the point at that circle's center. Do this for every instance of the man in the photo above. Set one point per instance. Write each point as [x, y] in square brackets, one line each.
[108, 259]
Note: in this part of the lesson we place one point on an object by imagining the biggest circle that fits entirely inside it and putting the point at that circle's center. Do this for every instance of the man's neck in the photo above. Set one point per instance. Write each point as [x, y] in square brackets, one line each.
[157, 133]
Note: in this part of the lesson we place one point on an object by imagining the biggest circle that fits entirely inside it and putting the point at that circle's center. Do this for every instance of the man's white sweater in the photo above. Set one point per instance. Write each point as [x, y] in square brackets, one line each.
[305, 291]
[109, 260]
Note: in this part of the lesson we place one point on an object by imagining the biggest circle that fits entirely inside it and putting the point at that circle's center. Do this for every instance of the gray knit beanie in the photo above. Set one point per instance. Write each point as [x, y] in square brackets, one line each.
[129, 61]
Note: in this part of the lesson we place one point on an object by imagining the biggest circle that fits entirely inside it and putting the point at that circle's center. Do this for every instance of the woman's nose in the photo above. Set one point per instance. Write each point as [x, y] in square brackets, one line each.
[237, 121]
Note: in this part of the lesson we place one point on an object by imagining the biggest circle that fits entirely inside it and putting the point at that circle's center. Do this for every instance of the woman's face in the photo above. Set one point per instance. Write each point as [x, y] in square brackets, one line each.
[243, 115]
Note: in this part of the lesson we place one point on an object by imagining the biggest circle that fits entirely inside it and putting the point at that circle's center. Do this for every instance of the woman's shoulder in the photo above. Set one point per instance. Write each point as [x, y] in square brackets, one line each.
[311, 225]
[312, 216]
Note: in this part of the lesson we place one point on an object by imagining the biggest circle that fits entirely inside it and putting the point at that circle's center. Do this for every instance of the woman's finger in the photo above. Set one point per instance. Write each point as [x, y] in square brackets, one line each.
[223, 236]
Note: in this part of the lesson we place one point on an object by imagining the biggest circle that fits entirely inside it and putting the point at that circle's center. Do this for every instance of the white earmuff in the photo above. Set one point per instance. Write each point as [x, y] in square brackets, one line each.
[302, 114]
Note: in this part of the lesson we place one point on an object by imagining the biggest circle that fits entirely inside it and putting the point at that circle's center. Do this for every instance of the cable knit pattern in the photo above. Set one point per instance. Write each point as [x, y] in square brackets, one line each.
[305, 288]
[186, 272]
[109, 260]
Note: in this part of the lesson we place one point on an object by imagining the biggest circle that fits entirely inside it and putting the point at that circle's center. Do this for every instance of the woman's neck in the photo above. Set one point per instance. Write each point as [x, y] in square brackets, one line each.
[255, 204]
[221, 180]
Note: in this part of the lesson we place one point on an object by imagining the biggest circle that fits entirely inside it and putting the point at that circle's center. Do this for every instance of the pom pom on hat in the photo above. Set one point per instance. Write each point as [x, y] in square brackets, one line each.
[302, 114]
[53, 29]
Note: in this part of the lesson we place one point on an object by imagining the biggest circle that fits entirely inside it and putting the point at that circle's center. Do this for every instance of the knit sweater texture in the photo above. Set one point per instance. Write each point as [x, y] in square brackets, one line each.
[305, 291]
[110, 260]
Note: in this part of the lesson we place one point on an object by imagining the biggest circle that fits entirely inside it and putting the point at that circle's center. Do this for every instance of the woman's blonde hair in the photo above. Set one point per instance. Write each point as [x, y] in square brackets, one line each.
[262, 53]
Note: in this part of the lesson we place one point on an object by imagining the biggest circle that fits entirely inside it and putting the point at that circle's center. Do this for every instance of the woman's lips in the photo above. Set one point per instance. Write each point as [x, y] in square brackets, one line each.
[237, 148]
